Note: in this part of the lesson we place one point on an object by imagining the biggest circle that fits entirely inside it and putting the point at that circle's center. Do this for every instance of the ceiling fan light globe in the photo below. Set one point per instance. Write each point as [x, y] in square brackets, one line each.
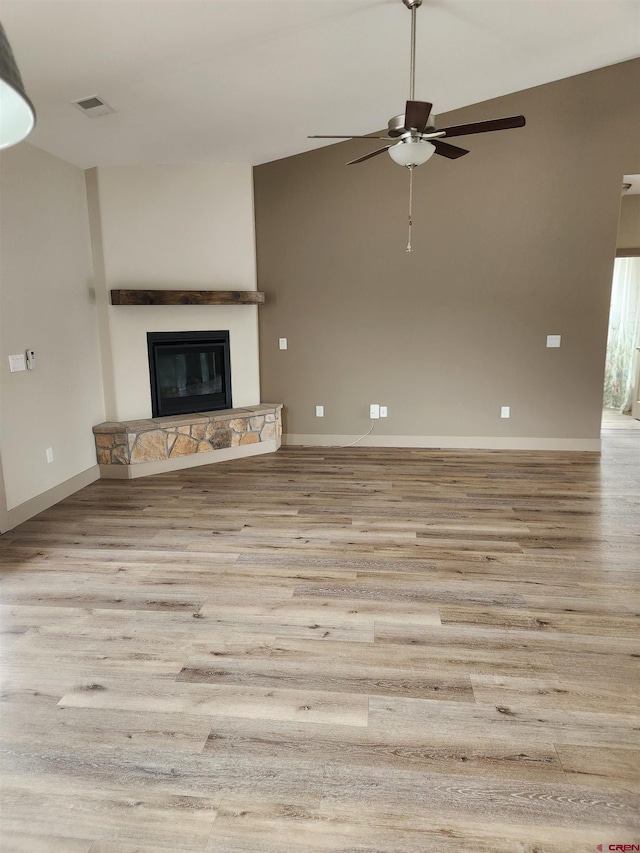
[413, 152]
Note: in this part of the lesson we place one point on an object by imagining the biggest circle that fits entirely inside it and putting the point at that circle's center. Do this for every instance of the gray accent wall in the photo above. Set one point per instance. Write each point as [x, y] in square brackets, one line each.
[629, 225]
[512, 243]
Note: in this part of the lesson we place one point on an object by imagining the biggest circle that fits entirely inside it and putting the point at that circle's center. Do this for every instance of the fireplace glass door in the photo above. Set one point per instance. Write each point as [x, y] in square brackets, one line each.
[190, 372]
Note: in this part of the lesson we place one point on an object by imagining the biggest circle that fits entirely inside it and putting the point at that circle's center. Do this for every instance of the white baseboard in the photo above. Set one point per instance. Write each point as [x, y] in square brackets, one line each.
[178, 463]
[447, 442]
[58, 493]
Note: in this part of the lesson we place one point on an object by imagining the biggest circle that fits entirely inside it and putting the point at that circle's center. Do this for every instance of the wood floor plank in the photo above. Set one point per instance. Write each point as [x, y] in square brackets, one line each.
[328, 676]
[215, 776]
[32, 842]
[25, 616]
[438, 834]
[410, 591]
[213, 699]
[540, 693]
[70, 809]
[617, 671]
[603, 625]
[492, 799]
[549, 725]
[355, 610]
[555, 649]
[315, 745]
[102, 649]
[252, 827]
[453, 654]
[88, 727]
[119, 847]
[601, 766]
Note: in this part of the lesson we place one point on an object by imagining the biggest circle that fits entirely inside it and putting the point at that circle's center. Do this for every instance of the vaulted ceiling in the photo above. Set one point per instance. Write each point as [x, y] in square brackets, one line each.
[246, 80]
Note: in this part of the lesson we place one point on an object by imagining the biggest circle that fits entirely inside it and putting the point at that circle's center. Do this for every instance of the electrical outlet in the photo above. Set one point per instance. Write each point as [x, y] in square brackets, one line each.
[374, 411]
[505, 412]
[282, 343]
[553, 340]
[49, 452]
[383, 411]
[319, 411]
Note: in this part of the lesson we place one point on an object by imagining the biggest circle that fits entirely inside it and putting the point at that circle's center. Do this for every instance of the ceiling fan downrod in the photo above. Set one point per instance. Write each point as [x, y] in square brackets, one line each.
[413, 6]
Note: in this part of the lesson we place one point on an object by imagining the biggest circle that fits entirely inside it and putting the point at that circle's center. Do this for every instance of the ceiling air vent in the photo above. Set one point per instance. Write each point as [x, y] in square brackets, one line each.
[93, 106]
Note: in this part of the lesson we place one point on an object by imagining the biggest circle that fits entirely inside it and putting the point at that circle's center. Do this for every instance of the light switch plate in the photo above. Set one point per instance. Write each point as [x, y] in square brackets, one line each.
[553, 340]
[17, 362]
[282, 343]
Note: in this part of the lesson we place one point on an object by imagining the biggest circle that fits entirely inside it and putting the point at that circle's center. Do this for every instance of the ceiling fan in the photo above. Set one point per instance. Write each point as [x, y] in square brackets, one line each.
[416, 131]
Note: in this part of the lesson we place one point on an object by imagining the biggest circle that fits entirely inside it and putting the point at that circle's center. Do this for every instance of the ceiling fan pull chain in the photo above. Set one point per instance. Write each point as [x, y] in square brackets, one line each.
[410, 168]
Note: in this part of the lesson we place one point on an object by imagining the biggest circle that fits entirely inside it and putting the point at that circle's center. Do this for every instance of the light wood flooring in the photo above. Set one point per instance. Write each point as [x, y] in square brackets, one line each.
[614, 420]
[381, 651]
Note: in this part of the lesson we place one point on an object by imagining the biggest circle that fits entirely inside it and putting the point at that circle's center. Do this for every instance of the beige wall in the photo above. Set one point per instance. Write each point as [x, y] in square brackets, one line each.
[513, 242]
[172, 227]
[629, 225]
[47, 303]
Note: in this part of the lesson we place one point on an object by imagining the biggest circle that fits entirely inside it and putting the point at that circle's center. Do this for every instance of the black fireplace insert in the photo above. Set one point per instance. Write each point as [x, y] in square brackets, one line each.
[190, 372]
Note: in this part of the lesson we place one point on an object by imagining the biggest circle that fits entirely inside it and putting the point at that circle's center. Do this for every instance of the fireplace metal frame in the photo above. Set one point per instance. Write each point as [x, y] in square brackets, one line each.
[189, 340]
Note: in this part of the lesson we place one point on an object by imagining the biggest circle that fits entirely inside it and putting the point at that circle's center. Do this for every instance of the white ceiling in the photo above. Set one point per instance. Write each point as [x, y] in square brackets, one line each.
[246, 80]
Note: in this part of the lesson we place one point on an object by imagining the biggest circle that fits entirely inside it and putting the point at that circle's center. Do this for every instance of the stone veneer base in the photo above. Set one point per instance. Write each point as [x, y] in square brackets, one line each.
[130, 449]
[164, 466]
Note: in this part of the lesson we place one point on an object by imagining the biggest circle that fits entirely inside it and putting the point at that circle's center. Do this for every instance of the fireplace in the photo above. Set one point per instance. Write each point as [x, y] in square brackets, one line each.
[190, 372]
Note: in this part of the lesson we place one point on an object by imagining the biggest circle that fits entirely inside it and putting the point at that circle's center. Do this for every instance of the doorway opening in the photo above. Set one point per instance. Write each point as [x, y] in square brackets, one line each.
[621, 398]
[621, 394]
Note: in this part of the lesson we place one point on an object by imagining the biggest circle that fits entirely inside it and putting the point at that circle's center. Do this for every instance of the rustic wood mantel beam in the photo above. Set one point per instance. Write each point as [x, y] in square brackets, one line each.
[187, 297]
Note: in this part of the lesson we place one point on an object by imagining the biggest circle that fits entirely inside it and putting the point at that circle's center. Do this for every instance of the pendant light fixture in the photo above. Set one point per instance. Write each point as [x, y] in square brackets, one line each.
[17, 115]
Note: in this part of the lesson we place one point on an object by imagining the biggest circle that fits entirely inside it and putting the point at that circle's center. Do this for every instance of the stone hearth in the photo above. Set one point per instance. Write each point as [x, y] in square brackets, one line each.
[225, 434]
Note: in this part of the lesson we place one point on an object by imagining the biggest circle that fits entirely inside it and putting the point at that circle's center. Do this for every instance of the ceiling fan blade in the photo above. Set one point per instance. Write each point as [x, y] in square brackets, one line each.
[446, 150]
[416, 115]
[320, 136]
[368, 156]
[484, 126]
